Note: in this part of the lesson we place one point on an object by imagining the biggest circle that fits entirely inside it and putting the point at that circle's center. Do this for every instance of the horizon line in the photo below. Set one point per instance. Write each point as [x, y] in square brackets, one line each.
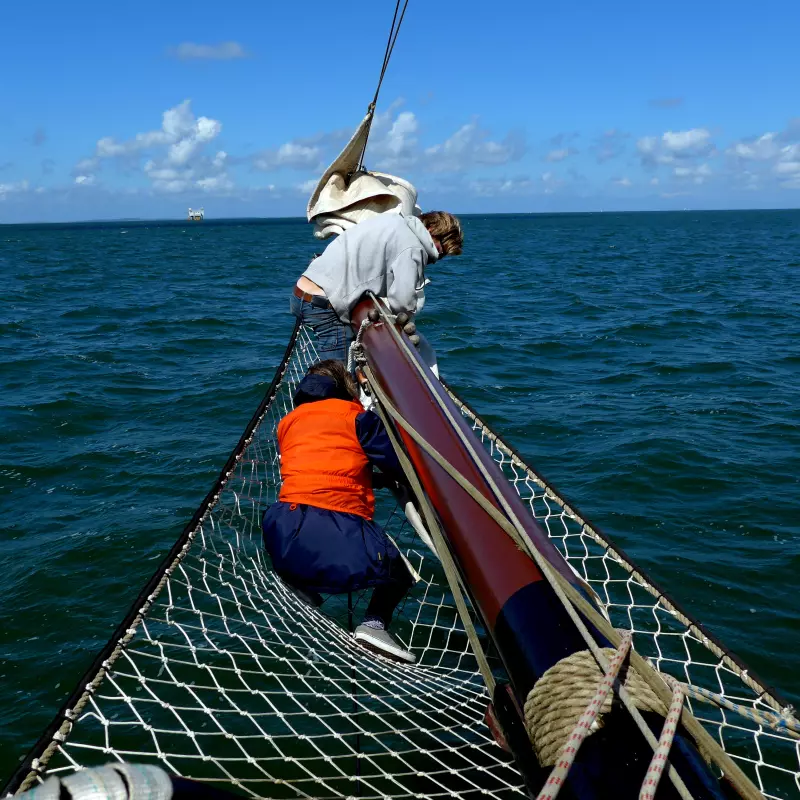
[287, 217]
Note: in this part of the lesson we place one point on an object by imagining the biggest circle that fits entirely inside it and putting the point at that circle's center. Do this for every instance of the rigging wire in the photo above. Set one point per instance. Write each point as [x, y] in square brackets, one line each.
[394, 30]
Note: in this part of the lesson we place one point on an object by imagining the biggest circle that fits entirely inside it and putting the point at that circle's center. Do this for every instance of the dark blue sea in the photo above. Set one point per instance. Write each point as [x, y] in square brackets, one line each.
[647, 364]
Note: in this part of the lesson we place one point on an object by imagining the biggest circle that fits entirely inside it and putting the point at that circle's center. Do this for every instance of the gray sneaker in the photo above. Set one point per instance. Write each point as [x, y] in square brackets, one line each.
[382, 642]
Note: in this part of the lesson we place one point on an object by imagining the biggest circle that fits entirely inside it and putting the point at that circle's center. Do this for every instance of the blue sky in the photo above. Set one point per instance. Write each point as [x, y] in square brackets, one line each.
[120, 110]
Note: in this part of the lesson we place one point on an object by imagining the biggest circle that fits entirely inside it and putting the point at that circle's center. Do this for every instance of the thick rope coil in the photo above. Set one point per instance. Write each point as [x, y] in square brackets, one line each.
[585, 724]
[555, 704]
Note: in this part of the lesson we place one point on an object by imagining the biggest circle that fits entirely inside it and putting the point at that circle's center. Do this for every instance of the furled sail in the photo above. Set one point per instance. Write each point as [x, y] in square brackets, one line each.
[348, 194]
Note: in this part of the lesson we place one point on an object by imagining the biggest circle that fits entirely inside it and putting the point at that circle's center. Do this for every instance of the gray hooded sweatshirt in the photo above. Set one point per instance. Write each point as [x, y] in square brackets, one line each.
[386, 255]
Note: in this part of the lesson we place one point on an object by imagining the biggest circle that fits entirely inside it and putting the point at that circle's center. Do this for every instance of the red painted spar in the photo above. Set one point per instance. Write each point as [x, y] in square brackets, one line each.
[493, 566]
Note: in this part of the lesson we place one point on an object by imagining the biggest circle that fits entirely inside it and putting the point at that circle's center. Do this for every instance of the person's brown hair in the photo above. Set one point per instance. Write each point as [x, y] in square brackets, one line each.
[336, 370]
[447, 229]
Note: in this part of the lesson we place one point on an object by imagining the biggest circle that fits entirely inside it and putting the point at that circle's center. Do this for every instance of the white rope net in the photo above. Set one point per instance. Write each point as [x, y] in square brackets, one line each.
[231, 679]
[225, 676]
[662, 633]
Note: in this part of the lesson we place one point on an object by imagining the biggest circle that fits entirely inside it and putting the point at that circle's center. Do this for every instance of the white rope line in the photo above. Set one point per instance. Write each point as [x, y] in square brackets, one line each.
[659, 760]
[570, 599]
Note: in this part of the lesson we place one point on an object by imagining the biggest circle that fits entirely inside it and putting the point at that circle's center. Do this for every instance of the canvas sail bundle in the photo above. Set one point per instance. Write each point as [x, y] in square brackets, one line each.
[348, 194]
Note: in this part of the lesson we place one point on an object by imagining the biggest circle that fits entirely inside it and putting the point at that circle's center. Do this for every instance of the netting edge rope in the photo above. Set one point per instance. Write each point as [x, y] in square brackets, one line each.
[736, 664]
[58, 730]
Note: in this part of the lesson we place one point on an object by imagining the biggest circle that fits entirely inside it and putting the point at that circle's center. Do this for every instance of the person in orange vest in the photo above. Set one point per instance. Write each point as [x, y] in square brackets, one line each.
[320, 534]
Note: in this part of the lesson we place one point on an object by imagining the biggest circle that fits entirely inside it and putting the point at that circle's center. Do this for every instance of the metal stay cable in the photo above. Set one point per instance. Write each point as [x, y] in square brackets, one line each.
[570, 598]
[394, 31]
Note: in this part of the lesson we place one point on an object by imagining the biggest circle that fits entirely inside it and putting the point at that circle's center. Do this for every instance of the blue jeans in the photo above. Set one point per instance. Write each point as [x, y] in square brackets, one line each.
[333, 336]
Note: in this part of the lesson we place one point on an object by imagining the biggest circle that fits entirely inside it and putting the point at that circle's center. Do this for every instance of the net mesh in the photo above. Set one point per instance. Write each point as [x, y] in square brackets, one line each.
[228, 677]
[662, 633]
[232, 679]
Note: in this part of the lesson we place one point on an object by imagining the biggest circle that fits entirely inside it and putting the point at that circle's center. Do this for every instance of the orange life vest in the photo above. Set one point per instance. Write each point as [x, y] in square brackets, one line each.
[322, 461]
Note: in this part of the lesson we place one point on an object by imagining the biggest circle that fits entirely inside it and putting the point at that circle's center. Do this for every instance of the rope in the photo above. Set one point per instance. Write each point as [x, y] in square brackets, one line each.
[60, 728]
[355, 353]
[656, 768]
[394, 30]
[566, 593]
[514, 529]
[785, 722]
[729, 660]
[554, 705]
[583, 727]
[781, 720]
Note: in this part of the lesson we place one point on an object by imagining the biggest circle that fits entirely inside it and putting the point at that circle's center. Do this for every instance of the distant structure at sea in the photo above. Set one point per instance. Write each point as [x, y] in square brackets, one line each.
[196, 215]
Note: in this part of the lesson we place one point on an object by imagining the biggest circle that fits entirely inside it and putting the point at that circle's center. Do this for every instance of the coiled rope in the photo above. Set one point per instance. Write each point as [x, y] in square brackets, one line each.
[554, 705]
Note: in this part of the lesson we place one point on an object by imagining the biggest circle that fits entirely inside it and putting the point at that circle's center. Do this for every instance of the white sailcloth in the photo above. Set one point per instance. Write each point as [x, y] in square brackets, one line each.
[347, 195]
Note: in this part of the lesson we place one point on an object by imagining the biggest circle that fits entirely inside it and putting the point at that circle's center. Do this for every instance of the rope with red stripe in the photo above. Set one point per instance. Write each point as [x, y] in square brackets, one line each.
[659, 760]
[584, 726]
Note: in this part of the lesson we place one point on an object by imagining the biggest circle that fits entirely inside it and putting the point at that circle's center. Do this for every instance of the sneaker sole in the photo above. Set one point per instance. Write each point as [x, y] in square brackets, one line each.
[392, 655]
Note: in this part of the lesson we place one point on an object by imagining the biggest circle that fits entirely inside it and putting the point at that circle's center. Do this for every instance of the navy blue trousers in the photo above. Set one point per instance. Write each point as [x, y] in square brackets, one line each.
[333, 552]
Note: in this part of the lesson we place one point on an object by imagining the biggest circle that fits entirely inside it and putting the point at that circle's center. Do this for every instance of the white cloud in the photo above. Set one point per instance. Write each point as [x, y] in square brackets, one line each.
[697, 174]
[294, 155]
[401, 135]
[772, 157]
[470, 145]
[787, 167]
[551, 182]
[177, 161]
[500, 186]
[13, 188]
[306, 187]
[687, 141]
[393, 142]
[394, 145]
[675, 146]
[86, 165]
[609, 145]
[225, 51]
[181, 132]
[560, 154]
[623, 182]
[763, 148]
[216, 184]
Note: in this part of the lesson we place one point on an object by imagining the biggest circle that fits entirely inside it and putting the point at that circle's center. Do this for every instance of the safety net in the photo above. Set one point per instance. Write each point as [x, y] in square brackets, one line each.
[220, 673]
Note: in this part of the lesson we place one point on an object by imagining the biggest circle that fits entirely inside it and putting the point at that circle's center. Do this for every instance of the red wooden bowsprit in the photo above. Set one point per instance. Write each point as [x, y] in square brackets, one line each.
[528, 625]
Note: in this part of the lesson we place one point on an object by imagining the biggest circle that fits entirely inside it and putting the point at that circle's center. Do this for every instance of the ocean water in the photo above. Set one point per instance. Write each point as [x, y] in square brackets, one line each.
[647, 364]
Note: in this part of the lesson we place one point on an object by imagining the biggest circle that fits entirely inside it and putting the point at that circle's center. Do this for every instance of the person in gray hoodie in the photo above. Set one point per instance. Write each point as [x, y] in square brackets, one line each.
[386, 255]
